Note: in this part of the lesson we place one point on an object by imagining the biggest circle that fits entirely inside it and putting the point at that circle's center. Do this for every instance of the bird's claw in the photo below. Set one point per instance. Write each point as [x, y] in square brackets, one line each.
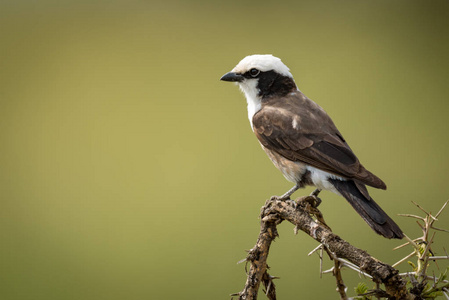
[316, 201]
[312, 200]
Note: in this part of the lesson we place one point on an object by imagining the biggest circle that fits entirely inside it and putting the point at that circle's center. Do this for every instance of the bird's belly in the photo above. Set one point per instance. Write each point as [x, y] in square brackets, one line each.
[320, 179]
[299, 172]
[293, 171]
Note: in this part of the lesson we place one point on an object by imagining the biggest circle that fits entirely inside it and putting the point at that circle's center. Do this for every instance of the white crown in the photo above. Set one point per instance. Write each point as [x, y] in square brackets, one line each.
[266, 62]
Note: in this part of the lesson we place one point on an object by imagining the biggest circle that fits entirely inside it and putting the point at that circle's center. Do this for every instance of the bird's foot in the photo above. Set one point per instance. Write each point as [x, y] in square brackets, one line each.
[284, 199]
[312, 200]
[310, 204]
[281, 198]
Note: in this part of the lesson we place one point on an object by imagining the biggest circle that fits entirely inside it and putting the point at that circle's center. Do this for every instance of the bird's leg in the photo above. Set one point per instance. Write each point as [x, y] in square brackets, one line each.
[315, 192]
[287, 195]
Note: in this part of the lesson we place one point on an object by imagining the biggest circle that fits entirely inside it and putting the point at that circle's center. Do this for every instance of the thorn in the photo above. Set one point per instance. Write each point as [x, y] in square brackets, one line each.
[421, 226]
[404, 259]
[405, 244]
[316, 249]
[411, 216]
[412, 242]
[438, 257]
[441, 209]
[417, 205]
[400, 246]
[331, 270]
[446, 293]
[243, 260]
[268, 287]
[439, 229]
[321, 262]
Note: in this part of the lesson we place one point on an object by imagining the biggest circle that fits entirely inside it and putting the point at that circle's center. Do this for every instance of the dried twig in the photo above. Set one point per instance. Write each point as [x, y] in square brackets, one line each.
[341, 287]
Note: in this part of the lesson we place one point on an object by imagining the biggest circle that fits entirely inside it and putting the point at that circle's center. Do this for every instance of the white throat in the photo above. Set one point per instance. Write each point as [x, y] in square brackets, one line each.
[249, 87]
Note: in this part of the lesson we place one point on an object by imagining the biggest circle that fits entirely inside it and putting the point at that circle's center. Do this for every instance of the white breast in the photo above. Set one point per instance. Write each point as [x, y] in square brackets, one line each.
[249, 87]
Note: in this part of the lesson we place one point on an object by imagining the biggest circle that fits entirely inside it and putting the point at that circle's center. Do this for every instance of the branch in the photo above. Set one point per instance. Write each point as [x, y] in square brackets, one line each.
[341, 287]
[299, 214]
[257, 257]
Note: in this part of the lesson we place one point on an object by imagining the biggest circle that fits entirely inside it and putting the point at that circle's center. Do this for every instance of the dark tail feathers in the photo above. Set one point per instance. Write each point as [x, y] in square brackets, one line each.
[376, 218]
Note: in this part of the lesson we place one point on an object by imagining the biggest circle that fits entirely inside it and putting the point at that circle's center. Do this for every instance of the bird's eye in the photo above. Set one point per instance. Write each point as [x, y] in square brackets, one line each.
[254, 72]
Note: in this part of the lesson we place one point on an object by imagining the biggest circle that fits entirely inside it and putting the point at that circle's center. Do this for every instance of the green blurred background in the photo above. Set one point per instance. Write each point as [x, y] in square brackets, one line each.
[129, 171]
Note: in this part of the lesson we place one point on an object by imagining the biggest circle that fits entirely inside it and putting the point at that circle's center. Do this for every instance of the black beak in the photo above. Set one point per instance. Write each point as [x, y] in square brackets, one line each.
[233, 77]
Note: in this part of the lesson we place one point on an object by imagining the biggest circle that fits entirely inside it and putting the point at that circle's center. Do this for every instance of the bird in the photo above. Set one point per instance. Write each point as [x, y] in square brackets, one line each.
[303, 142]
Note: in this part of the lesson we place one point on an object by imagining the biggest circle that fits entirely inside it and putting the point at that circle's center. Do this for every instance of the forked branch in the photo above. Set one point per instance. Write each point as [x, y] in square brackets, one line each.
[309, 220]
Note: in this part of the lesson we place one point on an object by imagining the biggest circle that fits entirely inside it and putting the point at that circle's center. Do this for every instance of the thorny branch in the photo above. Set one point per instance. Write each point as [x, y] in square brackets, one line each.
[423, 251]
[309, 219]
[341, 287]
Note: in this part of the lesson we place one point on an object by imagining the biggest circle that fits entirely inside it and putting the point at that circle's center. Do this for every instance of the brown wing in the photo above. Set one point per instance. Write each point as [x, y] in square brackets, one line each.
[300, 130]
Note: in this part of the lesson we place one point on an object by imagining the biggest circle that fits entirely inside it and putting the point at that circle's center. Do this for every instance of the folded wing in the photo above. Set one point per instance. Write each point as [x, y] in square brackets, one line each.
[300, 130]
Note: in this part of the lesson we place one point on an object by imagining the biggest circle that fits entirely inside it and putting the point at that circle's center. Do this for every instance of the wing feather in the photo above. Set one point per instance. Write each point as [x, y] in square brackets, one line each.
[298, 129]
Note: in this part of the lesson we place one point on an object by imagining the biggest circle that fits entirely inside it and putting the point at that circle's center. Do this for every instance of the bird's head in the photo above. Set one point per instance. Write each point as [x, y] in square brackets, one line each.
[261, 75]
